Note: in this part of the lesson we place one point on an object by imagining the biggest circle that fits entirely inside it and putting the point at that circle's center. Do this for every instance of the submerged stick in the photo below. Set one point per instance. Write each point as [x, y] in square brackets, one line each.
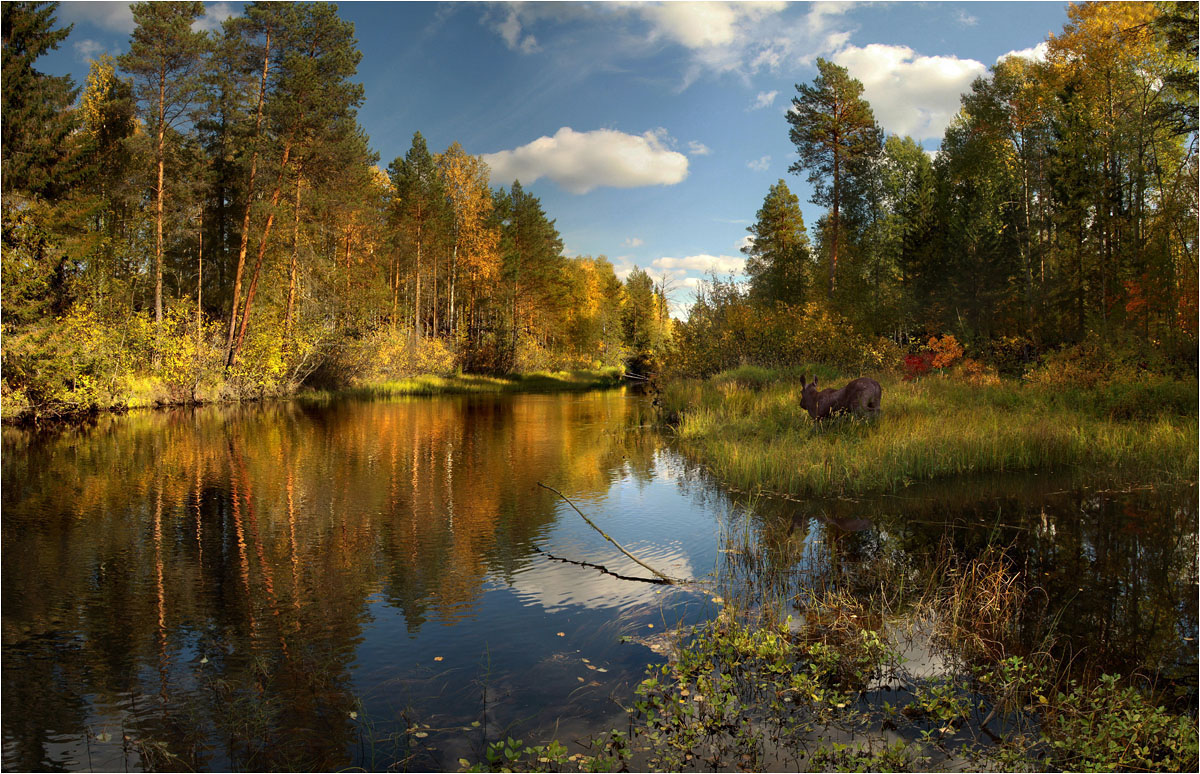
[666, 579]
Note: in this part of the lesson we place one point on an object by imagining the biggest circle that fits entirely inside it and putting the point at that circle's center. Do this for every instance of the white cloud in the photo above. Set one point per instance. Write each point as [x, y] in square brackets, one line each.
[721, 264]
[910, 94]
[510, 29]
[87, 50]
[698, 148]
[582, 161]
[1034, 54]
[760, 164]
[214, 15]
[114, 17]
[704, 25]
[739, 38]
[632, 242]
[745, 242]
[764, 99]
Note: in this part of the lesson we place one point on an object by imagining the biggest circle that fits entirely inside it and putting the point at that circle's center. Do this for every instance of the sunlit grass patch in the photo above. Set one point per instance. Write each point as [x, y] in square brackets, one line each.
[933, 428]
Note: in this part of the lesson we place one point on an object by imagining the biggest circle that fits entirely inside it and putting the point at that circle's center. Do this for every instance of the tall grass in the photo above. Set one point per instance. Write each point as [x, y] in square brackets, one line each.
[754, 435]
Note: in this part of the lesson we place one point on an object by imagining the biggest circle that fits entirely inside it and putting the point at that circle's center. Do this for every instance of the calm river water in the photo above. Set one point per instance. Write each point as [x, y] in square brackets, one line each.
[380, 584]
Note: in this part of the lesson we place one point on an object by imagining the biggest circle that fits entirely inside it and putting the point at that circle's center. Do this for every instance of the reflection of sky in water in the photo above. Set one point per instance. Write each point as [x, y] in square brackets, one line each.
[379, 558]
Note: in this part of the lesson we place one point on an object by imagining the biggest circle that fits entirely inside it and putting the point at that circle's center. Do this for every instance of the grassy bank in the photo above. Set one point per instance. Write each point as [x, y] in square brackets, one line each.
[747, 426]
[460, 384]
[148, 392]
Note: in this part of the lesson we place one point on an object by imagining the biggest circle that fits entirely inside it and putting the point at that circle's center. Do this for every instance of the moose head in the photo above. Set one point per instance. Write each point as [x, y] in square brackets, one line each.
[808, 396]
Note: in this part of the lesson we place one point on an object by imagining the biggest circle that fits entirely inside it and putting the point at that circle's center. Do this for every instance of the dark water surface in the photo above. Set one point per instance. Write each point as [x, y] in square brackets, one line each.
[377, 584]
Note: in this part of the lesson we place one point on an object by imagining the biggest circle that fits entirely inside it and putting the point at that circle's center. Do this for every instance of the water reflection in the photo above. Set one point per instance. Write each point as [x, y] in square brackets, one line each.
[1111, 569]
[297, 586]
[192, 589]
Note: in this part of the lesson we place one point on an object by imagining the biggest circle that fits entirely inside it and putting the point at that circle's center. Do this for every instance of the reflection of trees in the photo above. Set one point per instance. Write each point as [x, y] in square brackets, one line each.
[198, 581]
[1113, 573]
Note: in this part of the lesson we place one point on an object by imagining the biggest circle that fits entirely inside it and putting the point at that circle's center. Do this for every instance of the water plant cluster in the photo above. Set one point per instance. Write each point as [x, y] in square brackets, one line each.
[830, 687]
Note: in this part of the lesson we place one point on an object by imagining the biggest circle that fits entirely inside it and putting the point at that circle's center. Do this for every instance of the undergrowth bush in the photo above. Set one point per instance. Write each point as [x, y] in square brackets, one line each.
[735, 332]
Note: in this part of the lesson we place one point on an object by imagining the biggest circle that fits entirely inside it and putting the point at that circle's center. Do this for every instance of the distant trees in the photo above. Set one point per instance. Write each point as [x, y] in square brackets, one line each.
[1060, 209]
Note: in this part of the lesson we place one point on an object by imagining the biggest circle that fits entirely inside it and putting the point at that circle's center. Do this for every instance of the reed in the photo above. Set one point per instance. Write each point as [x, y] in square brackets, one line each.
[753, 435]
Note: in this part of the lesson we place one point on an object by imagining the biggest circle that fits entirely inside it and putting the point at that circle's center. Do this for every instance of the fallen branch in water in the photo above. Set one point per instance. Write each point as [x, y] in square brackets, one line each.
[665, 578]
[601, 568]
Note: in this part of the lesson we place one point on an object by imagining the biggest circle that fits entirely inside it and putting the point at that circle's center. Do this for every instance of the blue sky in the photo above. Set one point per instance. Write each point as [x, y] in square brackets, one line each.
[650, 131]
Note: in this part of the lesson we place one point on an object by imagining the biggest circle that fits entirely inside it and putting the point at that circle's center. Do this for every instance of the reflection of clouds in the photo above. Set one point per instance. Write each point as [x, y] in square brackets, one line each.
[556, 586]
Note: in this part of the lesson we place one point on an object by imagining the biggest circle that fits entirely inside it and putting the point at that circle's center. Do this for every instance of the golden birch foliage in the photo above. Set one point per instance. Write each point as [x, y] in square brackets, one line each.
[466, 181]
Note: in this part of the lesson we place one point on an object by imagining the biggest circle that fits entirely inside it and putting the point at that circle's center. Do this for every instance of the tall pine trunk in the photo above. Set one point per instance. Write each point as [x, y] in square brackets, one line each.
[291, 297]
[262, 251]
[244, 241]
[160, 153]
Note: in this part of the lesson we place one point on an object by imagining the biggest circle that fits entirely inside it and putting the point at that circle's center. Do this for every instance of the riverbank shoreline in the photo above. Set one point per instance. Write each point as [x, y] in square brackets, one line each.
[748, 428]
[425, 385]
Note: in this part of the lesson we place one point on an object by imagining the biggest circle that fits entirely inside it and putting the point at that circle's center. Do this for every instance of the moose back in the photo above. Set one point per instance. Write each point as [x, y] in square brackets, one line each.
[861, 396]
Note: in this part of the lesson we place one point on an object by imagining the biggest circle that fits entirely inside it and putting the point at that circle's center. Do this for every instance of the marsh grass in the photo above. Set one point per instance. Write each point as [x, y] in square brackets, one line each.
[753, 435]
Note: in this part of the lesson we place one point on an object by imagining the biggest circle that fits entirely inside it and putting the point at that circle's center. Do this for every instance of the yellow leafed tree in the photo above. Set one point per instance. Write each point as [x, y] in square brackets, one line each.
[475, 255]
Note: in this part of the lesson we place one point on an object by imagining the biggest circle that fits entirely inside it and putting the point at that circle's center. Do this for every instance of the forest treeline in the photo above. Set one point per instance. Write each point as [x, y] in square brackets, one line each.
[204, 217]
[1059, 212]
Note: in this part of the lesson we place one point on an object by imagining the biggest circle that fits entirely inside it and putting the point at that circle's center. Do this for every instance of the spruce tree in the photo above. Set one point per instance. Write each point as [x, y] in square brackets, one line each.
[777, 260]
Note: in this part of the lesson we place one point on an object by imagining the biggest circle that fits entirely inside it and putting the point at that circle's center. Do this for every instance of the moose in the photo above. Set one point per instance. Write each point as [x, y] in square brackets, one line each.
[861, 396]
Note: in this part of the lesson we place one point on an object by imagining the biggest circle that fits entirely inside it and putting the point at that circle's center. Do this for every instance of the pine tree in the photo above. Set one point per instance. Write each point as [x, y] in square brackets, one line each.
[832, 128]
[532, 251]
[166, 59]
[311, 98]
[419, 209]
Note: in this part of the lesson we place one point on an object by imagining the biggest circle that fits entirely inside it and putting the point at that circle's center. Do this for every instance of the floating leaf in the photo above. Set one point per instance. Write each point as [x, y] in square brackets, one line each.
[475, 723]
[420, 735]
[353, 715]
[580, 679]
[650, 625]
[584, 660]
[601, 669]
[562, 634]
[437, 658]
[466, 764]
